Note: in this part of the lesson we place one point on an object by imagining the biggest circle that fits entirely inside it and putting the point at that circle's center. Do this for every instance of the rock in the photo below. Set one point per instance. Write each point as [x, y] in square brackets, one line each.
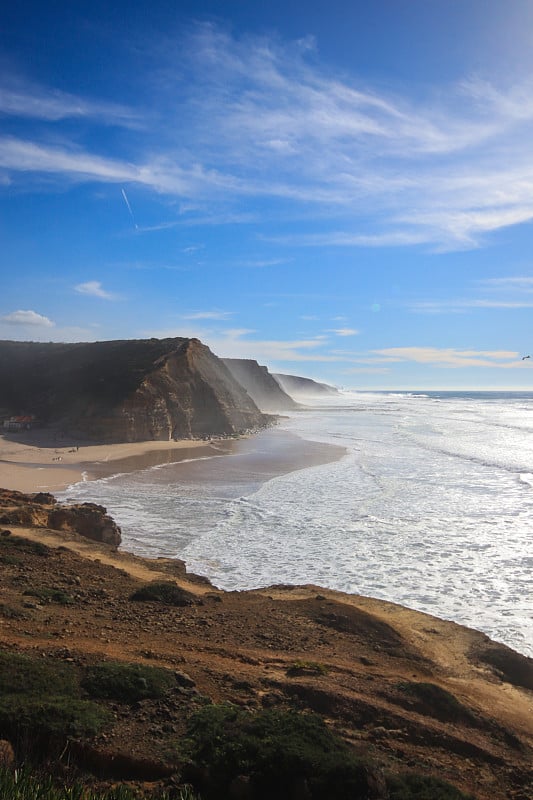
[88, 519]
[44, 498]
[7, 755]
[302, 388]
[182, 679]
[126, 391]
[264, 390]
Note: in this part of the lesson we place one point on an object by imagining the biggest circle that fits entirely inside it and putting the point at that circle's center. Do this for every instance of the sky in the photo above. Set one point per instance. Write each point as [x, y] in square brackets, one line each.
[341, 190]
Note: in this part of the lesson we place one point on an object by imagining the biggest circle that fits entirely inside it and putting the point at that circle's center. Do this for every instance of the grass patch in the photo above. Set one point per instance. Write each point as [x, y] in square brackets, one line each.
[126, 683]
[165, 592]
[24, 785]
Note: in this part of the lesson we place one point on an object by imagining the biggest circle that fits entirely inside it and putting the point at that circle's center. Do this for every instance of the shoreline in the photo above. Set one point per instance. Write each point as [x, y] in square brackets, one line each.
[35, 463]
[38, 463]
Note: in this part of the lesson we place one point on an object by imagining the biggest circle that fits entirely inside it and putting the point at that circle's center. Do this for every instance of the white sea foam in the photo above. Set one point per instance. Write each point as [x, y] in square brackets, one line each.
[431, 507]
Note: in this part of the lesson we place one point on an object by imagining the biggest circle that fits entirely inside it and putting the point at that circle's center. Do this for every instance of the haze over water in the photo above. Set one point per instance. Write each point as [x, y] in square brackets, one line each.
[431, 507]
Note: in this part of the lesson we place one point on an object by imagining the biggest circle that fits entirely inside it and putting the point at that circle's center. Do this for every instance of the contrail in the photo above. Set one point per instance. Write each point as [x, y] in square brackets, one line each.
[124, 195]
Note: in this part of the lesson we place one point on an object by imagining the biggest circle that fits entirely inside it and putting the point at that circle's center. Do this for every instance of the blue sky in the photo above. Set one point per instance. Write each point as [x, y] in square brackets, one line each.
[342, 190]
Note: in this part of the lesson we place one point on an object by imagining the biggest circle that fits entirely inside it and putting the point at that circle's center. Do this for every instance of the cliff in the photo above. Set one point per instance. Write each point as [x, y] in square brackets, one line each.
[264, 390]
[415, 700]
[126, 391]
[303, 387]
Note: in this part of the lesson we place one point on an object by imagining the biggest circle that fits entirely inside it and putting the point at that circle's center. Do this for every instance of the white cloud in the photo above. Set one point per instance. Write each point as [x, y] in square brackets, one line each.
[94, 289]
[461, 306]
[450, 357]
[31, 318]
[218, 315]
[345, 331]
[522, 282]
[38, 102]
[264, 120]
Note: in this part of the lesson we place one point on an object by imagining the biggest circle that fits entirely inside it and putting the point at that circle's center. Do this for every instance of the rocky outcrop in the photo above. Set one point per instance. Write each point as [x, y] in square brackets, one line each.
[134, 390]
[41, 510]
[302, 388]
[88, 519]
[264, 390]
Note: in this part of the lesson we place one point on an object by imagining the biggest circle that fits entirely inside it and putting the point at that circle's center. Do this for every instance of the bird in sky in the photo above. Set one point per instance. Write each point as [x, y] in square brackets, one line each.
[524, 357]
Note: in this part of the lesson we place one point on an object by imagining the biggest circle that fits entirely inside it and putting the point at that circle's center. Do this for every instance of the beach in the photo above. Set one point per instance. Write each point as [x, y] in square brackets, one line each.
[36, 462]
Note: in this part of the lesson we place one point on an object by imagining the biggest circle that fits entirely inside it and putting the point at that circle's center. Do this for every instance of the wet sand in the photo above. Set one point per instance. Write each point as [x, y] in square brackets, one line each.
[33, 463]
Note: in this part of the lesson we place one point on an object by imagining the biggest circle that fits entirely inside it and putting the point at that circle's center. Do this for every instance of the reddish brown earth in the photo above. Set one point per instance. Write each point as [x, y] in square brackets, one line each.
[245, 647]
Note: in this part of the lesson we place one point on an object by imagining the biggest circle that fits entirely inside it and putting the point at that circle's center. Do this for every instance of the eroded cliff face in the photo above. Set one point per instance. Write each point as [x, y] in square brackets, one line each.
[264, 390]
[302, 388]
[126, 391]
[41, 510]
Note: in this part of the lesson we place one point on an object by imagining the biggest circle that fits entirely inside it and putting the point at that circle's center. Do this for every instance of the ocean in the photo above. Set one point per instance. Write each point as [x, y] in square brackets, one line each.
[430, 507]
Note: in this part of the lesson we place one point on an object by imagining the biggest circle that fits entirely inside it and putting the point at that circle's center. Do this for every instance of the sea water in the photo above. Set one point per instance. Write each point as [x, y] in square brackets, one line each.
[430, 507]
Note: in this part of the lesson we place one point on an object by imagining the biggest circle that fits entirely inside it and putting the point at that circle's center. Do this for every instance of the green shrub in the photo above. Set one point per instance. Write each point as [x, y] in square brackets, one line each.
[31, 676]
[10, 612]
[9, 560]
[57, 718]
[40, 704]
[278, 751]
[423, 787]
[50, 595]
[126, 683]
[165, 592]
[19, 543]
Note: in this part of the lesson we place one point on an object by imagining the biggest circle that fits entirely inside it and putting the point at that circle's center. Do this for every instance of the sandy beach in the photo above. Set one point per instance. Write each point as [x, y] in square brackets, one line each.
[34, 463]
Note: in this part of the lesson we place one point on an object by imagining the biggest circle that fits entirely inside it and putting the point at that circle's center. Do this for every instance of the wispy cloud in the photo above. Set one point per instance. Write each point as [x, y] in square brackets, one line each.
[215, 315]
[265, 120]
[462, 306]
[344, 331]
[521, 282]
[38, 102]
[94, 289]
[450, 357]
[31, 318]
[510, 292]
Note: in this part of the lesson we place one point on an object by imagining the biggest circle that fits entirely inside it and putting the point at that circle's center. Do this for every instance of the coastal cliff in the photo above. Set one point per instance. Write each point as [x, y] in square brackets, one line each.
[159, 677]
[303, 387]
[264, 390]
[126, 391]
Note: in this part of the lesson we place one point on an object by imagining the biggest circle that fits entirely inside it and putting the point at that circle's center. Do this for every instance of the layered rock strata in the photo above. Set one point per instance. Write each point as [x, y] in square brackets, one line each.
[264, 390]
[301, 388]
[126, 391]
